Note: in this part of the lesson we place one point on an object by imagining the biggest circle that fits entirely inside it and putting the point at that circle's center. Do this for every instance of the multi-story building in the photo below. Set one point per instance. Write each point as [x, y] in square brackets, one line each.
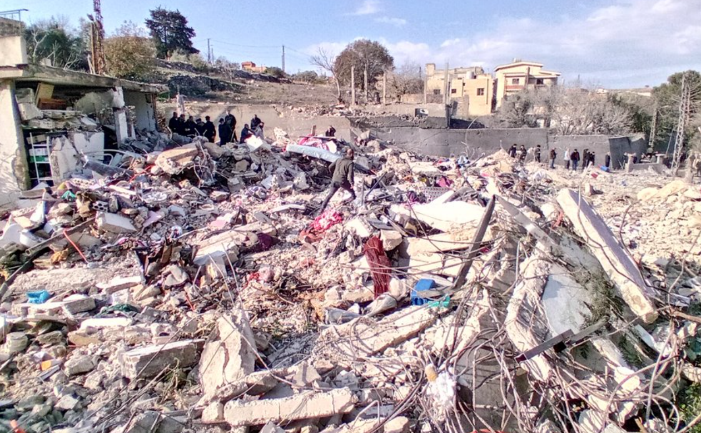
[471, 87]
[518, 76]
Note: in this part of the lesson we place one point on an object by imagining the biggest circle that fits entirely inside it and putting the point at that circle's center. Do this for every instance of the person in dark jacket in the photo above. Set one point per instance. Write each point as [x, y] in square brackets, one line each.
[199, 127]
[607, 160]
[553, 155]
[592, 159]
[210, 132]
[189, 127]
[512, 151]
[255, 122]
[231, 120]
[224, 132]
[522, 153]
[585, 159]
[575, 159]
[180, 127]
[173, 122]
[343, 177]
[245, 133]
[331, 132]
[537, 153]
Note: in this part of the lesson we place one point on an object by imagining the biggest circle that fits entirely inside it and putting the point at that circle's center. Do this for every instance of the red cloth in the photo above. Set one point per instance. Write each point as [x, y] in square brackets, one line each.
[379, 264]
[326, 220]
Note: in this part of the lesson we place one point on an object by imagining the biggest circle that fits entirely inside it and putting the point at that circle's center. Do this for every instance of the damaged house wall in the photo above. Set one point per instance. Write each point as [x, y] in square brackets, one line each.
[144, 111]
[14, 175]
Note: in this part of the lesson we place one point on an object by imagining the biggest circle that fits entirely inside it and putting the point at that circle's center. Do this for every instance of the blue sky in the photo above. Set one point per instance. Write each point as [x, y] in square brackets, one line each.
[615, 43]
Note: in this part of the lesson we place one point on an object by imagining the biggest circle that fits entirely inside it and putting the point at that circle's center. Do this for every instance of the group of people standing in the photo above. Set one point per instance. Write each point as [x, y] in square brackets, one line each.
[190, 127]
[227, 128]
[572, 159]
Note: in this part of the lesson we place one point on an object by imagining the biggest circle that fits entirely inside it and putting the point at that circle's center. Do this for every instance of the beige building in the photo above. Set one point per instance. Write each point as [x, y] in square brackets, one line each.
[471, 88]
[519, 76]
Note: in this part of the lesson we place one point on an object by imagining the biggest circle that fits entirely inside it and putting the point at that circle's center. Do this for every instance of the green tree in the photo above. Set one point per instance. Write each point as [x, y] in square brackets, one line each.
[130, 53]
[170, 32]
[275, 72]
[667, 97]
[55, 42]
[361, 54]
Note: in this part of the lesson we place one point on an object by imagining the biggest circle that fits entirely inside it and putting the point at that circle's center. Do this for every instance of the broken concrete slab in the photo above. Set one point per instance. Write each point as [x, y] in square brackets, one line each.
[79, 365]
[436, 263]
[565, 301]
[390, 239]
[146, 362]
[525, 324]
[114, 223]
[219, 246]
[444, 242]
[361, 338]
[617, 263]
[451, 216]
[231, 356]
[107, 322]
[305, 405]
[120, 283]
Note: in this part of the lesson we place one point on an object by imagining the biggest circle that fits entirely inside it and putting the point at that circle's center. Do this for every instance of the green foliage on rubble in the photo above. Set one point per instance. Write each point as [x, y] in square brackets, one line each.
[605, 303]
[689, 404]
[630, 353]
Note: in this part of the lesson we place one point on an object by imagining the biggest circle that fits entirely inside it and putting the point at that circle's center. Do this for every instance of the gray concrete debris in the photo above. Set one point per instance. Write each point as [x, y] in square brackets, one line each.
[231, 356]
[306, 405]
[617, 263]
[146, 362]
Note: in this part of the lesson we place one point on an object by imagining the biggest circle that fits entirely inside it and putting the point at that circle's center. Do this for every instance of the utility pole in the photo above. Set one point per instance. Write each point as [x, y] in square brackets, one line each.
[283, 58]
[681, 125]
[384, 88]
[653, 129]
[352, 85]
[97, 38]
[446, 88]
[209, 52]
[366, 82]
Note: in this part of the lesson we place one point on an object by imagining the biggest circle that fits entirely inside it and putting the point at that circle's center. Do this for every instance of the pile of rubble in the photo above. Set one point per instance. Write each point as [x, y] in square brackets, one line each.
[197, 289]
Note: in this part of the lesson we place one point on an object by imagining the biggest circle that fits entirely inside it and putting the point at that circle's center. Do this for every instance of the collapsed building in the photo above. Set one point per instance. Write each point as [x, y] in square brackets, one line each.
[195, 287]
[48, 114]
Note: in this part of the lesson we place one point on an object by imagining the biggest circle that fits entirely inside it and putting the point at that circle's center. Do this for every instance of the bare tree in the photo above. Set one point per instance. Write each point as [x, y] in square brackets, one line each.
[568, 111]
[327, 62]
[406, 80]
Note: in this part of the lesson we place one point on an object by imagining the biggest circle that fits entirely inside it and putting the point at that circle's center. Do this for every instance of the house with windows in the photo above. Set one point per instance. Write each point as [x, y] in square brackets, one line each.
[518, 76]
[470, 87]
[251, 67]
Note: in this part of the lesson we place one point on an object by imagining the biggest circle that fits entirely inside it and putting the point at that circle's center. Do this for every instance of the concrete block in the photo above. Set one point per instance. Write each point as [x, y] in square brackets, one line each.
[360, 226]
[213, 413]
[616, 261]
[110, 322]
[390, 239]
[305, 405]
[399, 424]
[79, 365]
[75, 304]
[113, 223]
[451, 216]
[145, 362]
[231, 356]
[358, 339]
[219, 246]
[120, 283]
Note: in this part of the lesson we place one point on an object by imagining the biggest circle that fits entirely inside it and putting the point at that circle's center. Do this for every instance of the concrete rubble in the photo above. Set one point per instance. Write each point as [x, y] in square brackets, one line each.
[200, 290]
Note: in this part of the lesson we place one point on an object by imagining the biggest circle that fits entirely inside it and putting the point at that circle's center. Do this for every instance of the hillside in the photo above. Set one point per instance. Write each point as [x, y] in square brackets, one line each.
[239, 87]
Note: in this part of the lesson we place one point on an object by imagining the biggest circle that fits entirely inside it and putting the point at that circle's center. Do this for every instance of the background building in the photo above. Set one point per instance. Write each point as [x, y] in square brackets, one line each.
[470, 87]
[518, 76]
